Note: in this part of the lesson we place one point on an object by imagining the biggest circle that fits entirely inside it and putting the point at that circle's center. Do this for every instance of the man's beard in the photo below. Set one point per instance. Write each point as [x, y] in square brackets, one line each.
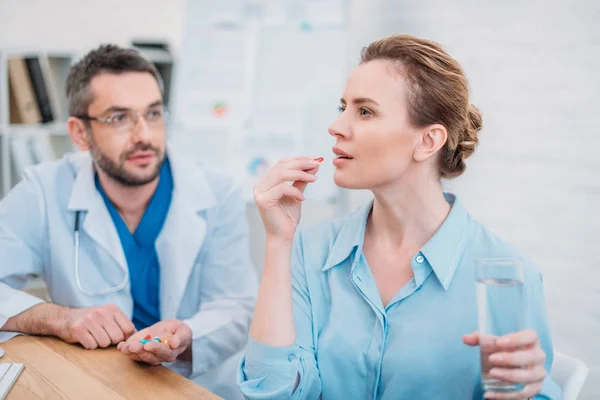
[118, 172]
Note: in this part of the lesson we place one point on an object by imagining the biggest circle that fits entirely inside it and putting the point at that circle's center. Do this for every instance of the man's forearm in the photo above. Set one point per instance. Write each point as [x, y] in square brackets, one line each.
[41, 319]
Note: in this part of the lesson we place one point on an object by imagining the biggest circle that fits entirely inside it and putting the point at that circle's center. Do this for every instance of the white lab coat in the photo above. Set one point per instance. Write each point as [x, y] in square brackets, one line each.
[206, 277]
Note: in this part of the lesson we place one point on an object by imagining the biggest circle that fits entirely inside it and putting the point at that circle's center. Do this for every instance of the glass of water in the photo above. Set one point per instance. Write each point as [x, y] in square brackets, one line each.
[501, 310]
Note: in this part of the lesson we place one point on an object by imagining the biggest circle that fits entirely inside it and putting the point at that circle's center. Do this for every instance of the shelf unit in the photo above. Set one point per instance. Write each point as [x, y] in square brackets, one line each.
[18, 142]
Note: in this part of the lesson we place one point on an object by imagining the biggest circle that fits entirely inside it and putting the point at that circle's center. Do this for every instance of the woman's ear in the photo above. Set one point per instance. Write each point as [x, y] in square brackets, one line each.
[431, 140]
[78, 132]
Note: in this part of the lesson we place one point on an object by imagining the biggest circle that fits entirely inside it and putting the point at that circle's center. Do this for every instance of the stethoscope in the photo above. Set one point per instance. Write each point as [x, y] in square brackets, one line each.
[76, 259]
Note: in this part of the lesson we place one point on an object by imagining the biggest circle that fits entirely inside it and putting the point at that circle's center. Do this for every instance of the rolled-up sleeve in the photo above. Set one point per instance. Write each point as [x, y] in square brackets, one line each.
[287, 372]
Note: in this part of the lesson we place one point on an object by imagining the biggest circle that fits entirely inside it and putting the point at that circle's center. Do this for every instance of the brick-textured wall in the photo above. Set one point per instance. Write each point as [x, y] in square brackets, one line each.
[534, 70]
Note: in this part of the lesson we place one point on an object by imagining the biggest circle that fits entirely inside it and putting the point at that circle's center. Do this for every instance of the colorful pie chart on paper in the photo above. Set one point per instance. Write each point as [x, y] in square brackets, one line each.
[257, 166]
[219, 109]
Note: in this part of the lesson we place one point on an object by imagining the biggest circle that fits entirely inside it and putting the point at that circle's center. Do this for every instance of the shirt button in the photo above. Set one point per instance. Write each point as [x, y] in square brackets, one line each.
[291, 357]
[419, 259]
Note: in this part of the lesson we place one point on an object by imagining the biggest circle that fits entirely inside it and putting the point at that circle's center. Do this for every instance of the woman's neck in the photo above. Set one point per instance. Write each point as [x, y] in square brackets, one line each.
[408, 213]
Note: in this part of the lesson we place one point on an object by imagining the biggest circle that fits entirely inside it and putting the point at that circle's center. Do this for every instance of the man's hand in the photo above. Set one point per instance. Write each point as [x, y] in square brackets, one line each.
[177, 334]
[516, 358]
[94, 327]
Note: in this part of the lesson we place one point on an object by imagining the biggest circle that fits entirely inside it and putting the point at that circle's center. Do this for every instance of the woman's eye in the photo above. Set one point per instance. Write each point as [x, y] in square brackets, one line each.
[365, 112]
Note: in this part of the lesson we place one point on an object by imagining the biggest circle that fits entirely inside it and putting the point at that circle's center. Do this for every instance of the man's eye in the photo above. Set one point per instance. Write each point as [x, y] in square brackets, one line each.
[118, 118]
[153, 115]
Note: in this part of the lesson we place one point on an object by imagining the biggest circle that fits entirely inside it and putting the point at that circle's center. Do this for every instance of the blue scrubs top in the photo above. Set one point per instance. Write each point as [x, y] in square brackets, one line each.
[139, 249]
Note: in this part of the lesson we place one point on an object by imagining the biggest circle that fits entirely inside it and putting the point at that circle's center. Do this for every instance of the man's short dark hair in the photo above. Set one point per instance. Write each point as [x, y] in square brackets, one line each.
[110, 59]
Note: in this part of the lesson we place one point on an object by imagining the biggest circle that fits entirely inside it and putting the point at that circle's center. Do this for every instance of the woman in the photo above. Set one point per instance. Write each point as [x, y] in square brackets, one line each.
[374, 305]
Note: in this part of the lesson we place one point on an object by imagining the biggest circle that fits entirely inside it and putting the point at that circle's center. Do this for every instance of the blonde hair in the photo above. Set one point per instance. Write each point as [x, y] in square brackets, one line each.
[438, 94]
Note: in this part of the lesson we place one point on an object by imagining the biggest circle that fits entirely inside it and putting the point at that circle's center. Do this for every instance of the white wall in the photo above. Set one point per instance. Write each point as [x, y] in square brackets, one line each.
[80, 25]
[533, 69]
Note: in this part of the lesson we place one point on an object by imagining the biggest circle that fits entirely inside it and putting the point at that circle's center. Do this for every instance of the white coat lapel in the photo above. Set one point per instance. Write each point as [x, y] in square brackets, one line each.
[97, 222]
[183, 233]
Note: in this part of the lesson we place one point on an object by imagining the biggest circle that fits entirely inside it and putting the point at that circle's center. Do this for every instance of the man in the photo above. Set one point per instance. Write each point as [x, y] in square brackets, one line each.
[130, 238]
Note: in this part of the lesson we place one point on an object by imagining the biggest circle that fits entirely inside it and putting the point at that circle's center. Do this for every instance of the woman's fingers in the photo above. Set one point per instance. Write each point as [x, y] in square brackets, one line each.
[302, 162]
[296, 169]
[277, 176]
[519, 358]
[272, 196]
[301, 185]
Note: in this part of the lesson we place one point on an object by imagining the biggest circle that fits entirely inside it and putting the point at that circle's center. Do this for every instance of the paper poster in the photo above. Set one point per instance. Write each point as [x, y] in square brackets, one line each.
[203, 111]
[257, 81]
[217, 59]
[206, 145]
[257, 154]
[213, 83]
[272, 131]
[316, 61]
[276, 115]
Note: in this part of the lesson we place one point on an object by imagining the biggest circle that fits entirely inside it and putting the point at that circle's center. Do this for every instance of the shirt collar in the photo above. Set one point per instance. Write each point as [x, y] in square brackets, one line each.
[350, 236]
[445, 248]
[443, 251]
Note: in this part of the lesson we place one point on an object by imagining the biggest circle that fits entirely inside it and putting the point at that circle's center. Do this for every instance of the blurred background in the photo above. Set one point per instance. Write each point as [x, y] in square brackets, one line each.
[252, 80]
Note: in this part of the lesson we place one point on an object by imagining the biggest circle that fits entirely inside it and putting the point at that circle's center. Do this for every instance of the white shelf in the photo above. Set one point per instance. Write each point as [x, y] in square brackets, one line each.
[31, 52]
[156, 55]
[51, 128]
[19, 140]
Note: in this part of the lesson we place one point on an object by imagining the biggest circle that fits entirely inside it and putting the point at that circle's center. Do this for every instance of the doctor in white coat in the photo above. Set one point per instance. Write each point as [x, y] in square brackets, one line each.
[130, 238]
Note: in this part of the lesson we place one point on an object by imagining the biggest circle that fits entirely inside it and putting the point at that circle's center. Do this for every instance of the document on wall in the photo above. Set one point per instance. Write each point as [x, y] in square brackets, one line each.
[256, 154]
[297, 93]
[274, 130]
[316, 61]
[205, 145]
[213, 81]
[260, 83]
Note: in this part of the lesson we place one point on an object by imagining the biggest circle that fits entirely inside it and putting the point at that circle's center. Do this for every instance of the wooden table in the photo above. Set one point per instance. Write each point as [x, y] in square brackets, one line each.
[57, 370]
